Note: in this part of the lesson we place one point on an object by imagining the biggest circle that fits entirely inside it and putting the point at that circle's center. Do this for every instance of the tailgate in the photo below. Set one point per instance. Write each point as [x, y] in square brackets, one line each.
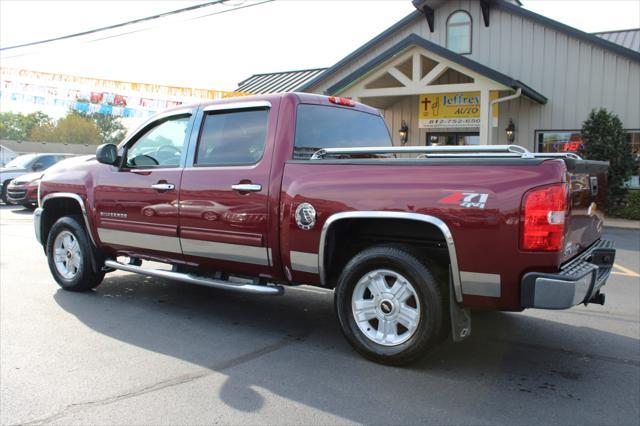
[588, 187]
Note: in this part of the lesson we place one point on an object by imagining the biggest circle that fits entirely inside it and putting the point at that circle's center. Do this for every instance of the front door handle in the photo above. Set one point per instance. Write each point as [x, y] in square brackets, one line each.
[163, 186]
[247, 187]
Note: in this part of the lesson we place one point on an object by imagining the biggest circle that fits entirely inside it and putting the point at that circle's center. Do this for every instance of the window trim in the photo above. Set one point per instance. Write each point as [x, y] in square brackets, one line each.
[460, 25]
[220, 109]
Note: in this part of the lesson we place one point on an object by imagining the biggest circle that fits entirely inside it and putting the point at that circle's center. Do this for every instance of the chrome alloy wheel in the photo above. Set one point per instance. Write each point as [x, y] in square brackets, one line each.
[67, 255]
[386, 307]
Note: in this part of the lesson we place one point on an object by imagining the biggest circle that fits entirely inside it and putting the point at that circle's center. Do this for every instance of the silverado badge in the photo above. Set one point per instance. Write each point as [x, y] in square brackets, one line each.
[306, 216]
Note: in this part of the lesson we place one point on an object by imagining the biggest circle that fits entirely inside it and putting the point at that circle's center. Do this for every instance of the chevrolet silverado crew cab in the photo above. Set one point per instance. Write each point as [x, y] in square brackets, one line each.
[254, 194]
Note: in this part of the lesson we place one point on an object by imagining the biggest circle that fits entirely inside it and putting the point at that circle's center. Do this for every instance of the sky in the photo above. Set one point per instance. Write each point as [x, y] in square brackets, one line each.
[219, 50]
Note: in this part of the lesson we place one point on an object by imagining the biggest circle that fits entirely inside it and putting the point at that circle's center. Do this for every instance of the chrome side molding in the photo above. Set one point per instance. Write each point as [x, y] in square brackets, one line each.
[453, 258]
[274, 290]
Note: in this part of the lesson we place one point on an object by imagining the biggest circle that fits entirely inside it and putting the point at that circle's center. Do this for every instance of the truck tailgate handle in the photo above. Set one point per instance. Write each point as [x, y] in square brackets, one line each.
[246, 187]
[163, 186]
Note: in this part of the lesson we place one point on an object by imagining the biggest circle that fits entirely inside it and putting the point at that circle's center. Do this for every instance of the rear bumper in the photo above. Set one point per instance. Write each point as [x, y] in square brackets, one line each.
[579, 281]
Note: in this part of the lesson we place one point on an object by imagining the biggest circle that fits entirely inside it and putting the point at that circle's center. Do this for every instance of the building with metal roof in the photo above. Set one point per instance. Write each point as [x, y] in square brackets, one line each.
[287, 81]
[625, 38]
[471, 72]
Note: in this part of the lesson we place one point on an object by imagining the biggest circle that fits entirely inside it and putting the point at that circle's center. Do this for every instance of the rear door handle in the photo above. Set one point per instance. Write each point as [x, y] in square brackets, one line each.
[163, 186]
[247, 187]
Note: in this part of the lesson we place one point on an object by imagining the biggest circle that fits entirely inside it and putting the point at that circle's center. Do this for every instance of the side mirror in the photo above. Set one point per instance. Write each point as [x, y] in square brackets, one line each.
[107, 154]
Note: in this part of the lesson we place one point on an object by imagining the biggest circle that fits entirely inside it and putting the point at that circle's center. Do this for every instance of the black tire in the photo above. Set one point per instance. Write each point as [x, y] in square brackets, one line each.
[84, 278]
[431, 304]
[3, 194]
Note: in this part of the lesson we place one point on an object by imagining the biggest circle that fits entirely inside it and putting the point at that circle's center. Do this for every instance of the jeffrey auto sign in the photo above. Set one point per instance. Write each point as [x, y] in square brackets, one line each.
[455, 109]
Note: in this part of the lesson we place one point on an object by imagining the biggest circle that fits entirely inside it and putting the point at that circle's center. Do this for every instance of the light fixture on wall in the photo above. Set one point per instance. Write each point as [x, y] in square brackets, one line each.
[511, 131]
[404, 133]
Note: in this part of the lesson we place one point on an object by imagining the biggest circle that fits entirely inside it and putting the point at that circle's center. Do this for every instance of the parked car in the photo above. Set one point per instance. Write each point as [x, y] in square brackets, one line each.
[409, 245]
[24, 190]
[6, 155]
[24, 164]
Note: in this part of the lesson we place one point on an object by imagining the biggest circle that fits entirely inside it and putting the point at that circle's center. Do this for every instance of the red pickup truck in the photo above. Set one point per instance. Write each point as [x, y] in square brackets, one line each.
[256, 193]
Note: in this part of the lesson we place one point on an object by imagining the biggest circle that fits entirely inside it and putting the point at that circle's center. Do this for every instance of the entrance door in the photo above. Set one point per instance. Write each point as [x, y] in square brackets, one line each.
[137, 204]
[453, 138]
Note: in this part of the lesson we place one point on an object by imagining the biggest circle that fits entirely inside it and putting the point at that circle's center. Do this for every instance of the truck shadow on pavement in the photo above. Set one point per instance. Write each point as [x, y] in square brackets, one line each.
[18, 210]
[292, 346]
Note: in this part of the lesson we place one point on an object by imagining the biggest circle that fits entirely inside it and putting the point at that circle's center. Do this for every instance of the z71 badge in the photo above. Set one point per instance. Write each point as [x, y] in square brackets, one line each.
[466, 199]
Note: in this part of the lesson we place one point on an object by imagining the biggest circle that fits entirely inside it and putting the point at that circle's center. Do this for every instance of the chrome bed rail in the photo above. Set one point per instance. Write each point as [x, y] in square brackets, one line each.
[452, 151]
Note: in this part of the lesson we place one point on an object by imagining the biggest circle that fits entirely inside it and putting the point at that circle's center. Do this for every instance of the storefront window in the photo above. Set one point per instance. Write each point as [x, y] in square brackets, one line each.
[571, 141]
[564, 141]
[457, 138]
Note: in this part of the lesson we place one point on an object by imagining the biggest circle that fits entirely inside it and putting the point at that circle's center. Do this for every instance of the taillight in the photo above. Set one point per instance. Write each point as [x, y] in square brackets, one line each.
[341, 101]
[544, 212]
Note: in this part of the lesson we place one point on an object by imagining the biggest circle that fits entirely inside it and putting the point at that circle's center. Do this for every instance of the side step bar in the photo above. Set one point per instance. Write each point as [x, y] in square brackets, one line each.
[192, 279]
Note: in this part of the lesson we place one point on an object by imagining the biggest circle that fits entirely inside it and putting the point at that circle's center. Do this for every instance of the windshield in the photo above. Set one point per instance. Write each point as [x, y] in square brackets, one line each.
[22, 162]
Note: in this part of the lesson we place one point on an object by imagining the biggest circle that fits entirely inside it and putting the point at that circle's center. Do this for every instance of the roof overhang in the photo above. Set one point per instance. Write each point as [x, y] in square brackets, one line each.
[415, 40]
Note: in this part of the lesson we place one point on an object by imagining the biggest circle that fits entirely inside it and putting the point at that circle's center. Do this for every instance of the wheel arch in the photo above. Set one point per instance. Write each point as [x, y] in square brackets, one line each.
[59, 204]
[327, 238]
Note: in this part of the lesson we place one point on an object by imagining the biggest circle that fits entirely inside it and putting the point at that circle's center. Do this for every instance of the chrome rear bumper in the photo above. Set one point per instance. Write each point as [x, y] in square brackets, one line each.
[579, 281]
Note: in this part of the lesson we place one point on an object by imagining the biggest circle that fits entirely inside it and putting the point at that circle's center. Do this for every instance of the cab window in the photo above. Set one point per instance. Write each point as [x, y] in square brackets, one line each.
[319, 127]
[232, 138]
[161, 145]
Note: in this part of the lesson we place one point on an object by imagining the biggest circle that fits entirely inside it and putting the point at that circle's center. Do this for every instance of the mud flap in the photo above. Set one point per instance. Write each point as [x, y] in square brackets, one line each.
[460, 317]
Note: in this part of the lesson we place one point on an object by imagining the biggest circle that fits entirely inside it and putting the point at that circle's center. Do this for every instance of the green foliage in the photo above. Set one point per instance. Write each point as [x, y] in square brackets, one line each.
[631, 210]
[605, 140]
[19, 127]
[76, 127]
[110, 127]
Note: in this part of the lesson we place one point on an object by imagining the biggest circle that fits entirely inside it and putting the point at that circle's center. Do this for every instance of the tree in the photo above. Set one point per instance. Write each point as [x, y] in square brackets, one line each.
[605, 140]
[75, 129]
[110, 128]
[19, 127]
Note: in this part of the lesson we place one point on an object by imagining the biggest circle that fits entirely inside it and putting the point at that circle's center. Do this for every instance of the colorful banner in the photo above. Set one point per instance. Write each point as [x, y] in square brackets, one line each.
[91, 95]
[453, 110]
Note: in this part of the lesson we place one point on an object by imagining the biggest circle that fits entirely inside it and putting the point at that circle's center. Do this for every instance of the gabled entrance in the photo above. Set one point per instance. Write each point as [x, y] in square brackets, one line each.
[431, 89]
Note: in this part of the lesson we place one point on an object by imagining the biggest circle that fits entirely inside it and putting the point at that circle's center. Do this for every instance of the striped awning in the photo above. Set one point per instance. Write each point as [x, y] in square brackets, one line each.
[277, 82]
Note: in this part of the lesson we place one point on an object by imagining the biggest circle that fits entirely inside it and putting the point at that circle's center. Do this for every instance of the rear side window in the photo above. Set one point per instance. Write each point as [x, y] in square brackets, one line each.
[319, 126]
[232, 138]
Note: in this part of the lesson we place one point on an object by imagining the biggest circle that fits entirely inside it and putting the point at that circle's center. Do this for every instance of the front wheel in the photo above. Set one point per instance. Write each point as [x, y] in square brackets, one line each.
[389, 305]
[69, 255]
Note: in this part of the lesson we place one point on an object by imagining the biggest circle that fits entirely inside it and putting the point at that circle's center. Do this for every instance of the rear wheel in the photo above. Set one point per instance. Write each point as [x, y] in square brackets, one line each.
[389, 306]
[69, 254]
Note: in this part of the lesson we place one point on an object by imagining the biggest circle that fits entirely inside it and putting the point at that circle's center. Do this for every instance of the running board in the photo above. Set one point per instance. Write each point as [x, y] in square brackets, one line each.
[192, 279]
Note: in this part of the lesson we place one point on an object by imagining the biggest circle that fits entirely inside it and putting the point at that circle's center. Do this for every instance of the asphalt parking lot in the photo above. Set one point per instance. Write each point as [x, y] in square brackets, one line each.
[149, 351]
